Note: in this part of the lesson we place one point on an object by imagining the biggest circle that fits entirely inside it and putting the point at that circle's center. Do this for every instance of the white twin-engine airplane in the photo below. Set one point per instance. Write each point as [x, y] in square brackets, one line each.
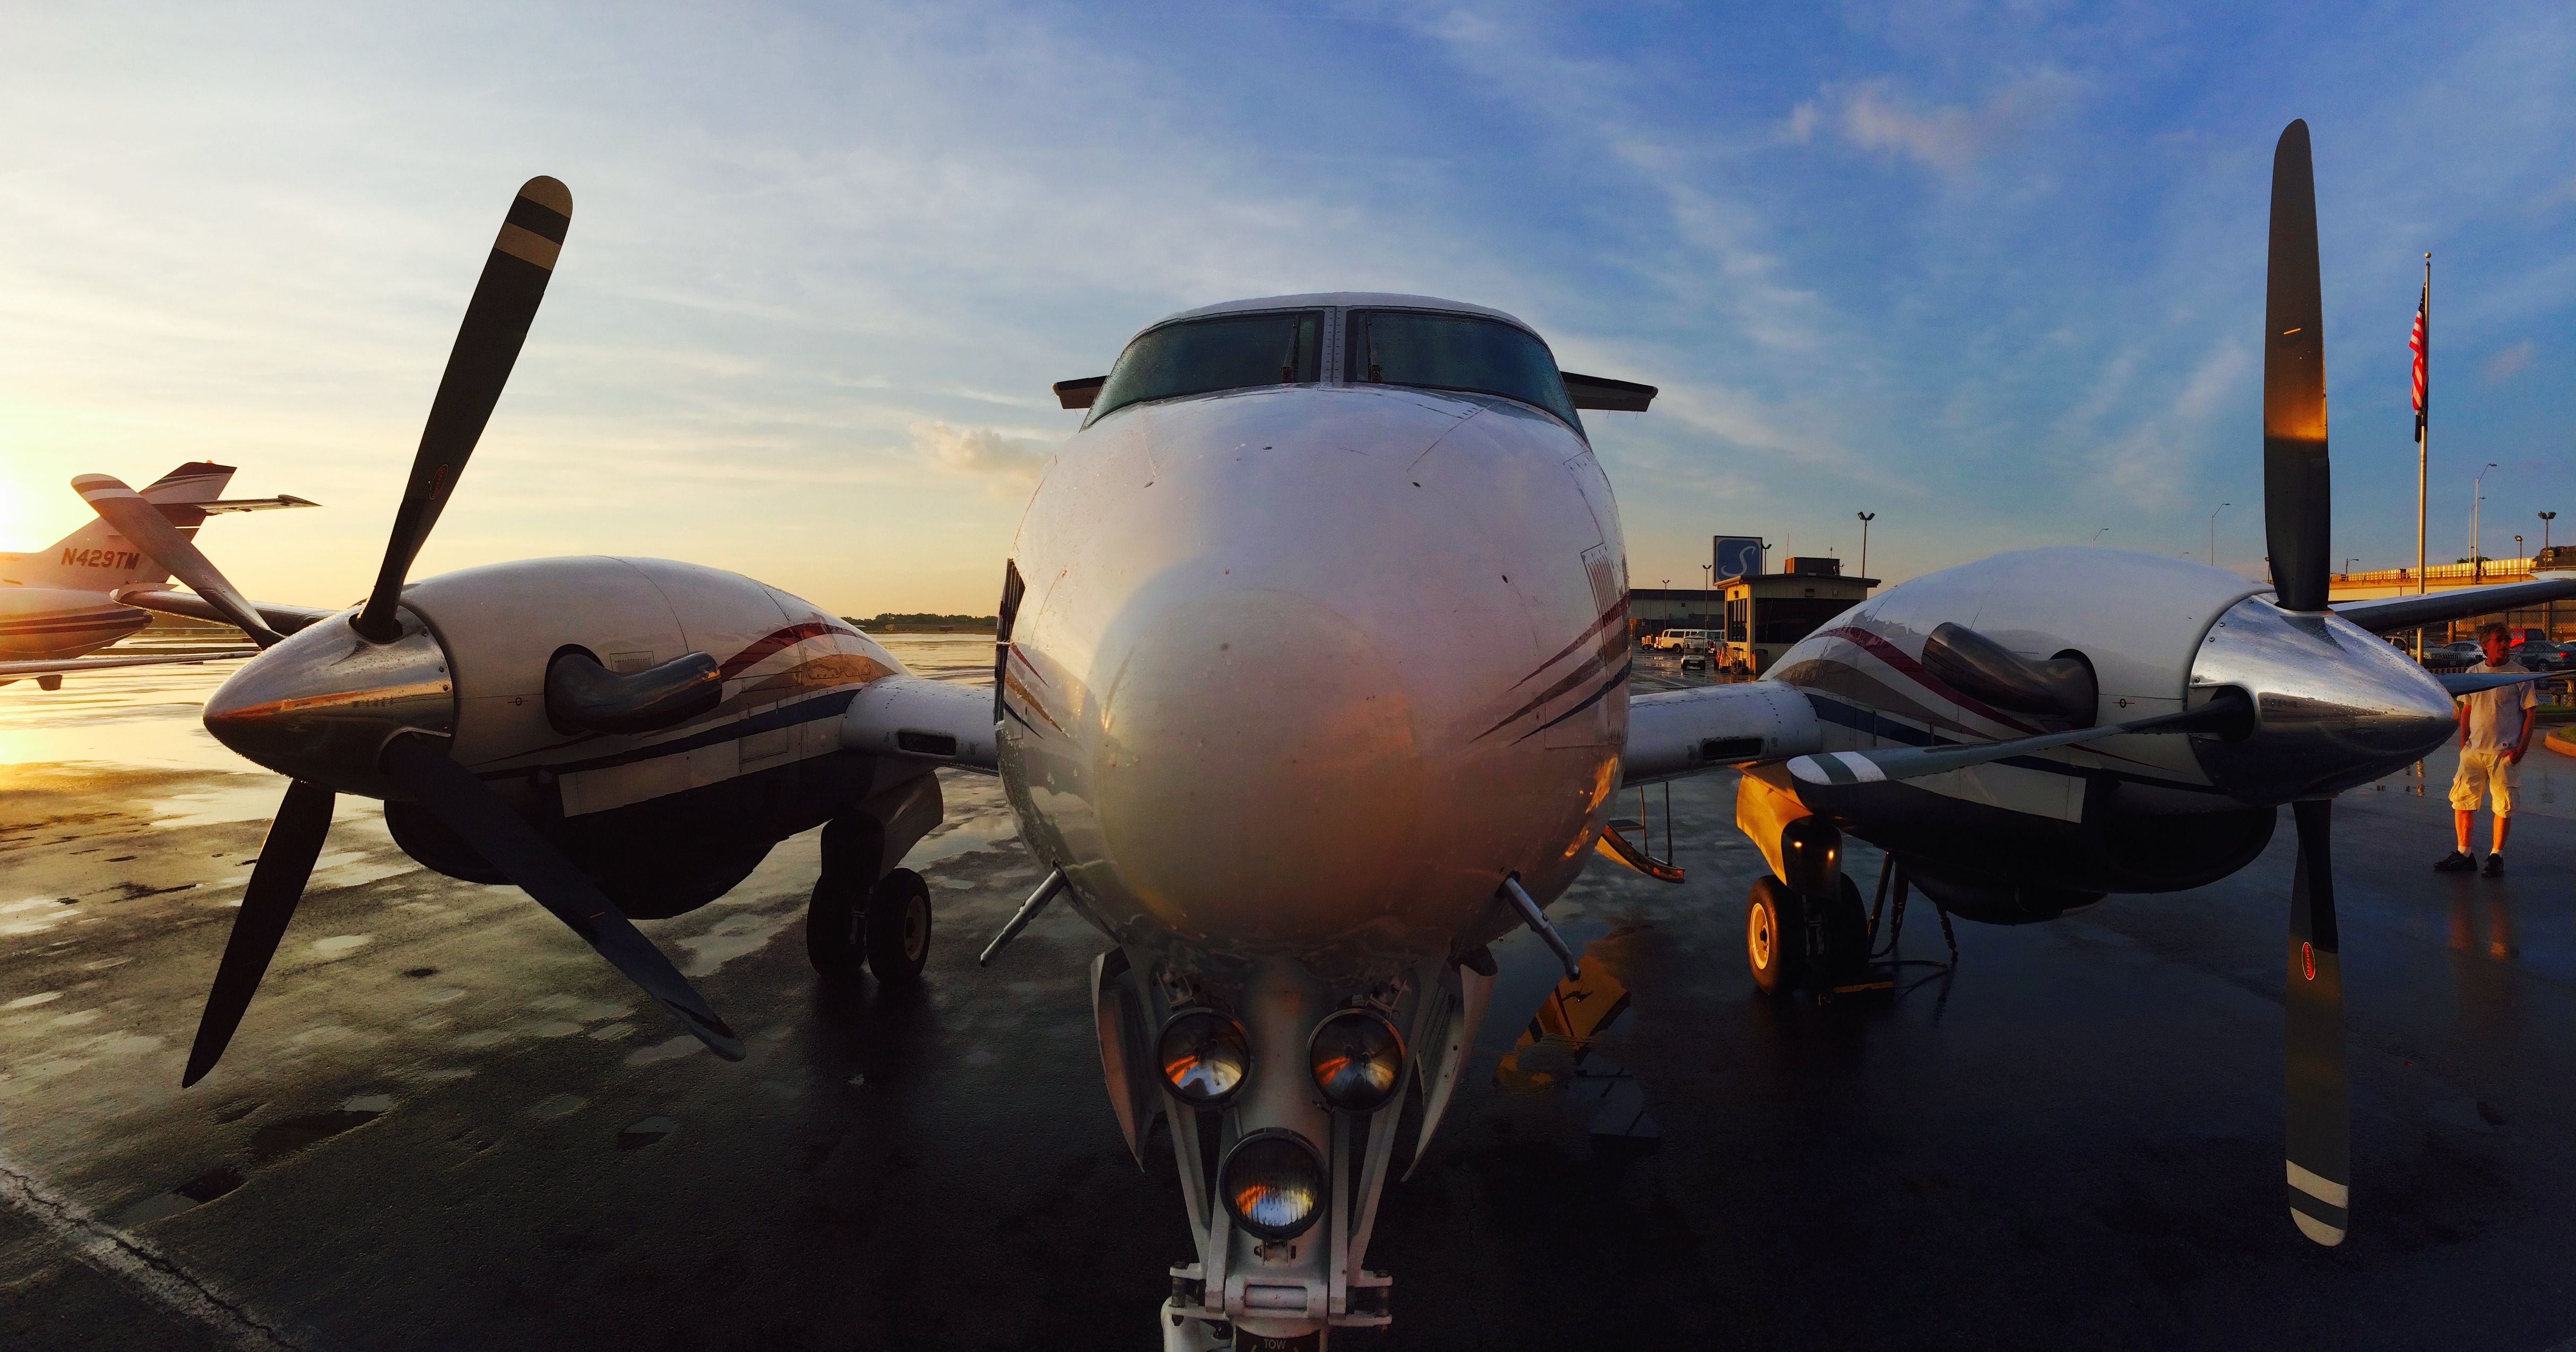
[1312, 681]
[80, 593]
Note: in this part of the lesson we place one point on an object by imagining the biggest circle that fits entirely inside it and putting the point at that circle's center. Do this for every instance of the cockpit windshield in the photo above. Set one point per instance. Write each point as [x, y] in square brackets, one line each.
[1454, 352]
[1283, 347]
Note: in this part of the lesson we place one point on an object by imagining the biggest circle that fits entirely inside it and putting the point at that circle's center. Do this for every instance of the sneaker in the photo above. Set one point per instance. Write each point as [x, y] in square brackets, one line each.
[2495, 866]
[2455, 862]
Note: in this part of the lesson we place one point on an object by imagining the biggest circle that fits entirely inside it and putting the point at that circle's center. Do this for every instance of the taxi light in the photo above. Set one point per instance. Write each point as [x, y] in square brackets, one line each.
[1204, 1055]
[1357, 1059]
[1273, 1184]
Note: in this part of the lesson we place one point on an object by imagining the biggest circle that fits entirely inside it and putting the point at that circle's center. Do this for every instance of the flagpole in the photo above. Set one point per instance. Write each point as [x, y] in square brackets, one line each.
[2424, 443]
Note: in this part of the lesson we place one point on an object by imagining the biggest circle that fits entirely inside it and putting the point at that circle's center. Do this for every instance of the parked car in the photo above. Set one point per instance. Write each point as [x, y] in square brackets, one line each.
[2540, 654]
[1682, 640]
[2459, 654]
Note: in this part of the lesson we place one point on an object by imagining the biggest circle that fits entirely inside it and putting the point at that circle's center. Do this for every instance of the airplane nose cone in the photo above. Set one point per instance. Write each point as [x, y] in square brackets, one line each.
[1257, 774]
[2335, 707]
[321, 705]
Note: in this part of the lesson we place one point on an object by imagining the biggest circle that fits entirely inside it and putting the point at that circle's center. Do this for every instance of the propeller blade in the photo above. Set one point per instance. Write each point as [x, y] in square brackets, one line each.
[2297, 497]
[276, 885]
[142, 523]
[487, 346]
[467, 806]
[2319, 1099]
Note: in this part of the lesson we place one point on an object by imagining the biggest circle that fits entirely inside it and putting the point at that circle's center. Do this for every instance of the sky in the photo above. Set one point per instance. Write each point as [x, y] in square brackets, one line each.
[1993, 272]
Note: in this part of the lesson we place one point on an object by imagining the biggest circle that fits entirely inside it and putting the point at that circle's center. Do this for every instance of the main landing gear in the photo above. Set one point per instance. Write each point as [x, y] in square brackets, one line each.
[1828, 942]
[858, 920]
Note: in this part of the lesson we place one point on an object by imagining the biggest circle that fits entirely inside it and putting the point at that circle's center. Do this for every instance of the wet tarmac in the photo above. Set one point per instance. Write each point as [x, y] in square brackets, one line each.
[445, 1124]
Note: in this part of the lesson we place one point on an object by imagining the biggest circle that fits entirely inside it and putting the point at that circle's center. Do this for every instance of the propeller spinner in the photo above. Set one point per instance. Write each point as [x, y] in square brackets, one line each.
[366, 707]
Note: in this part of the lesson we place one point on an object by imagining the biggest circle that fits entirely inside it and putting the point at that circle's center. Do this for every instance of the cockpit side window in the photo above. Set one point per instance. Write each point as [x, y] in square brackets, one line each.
[1203, 356]
[1454, 352]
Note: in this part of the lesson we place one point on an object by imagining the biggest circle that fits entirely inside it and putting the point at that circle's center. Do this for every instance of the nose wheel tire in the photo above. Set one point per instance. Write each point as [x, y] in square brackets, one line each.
[1775, 936]
[897, 928]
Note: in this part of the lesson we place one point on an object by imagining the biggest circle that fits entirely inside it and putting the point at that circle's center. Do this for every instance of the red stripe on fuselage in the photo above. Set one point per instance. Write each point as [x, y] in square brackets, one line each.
[1912, 670]
[776, 643]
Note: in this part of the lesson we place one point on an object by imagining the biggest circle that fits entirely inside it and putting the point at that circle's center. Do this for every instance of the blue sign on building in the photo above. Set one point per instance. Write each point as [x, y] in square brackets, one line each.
[1738, 555]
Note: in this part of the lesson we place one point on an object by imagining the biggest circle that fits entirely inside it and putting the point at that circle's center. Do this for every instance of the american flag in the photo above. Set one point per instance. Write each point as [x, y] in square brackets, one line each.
[2415, 343]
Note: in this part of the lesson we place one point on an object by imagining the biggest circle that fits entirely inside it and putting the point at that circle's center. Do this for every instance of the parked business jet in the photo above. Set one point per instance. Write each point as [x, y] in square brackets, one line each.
[68, 599]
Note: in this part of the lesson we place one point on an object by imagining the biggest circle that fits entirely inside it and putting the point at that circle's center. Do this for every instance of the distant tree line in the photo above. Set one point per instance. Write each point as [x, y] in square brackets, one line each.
[894, 621]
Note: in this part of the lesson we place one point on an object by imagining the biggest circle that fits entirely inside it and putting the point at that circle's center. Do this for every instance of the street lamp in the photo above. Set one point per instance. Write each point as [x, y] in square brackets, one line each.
[2213, 532]
[2097, 536]
[1865, 519]
[2477, 551]
[2550, 622]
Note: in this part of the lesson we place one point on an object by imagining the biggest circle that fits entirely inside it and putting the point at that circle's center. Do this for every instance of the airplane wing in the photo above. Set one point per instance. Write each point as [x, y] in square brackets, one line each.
[916, 718]
[1673, 733]
[1914, 762]
[283, 619]
[72, 666]
[2388, 614]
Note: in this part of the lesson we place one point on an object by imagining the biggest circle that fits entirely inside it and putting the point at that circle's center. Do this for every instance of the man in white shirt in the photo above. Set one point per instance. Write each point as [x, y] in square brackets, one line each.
[2495, 731]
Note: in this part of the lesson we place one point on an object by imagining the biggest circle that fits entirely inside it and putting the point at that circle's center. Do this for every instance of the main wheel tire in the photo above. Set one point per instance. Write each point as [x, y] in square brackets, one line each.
[1846, 932]
[1775, 936]
[898, 928]
[835, 928]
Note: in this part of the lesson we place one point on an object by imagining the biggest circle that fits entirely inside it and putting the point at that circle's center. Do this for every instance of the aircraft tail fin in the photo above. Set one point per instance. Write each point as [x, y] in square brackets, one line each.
[97, 558]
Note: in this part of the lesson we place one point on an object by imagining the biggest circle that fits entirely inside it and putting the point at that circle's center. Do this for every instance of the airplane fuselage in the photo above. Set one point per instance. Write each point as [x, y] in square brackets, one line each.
[1306, 671]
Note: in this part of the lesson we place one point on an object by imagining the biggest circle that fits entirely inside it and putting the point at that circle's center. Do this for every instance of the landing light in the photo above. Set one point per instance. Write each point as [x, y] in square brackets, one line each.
[1273, 1183]
[1357, 1059]
[1205, 1056]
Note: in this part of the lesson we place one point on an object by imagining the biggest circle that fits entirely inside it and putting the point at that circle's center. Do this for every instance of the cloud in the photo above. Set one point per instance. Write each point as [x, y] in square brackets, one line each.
[2150, 465]
[1948, 138]
[1004, 462]
[2502, 366]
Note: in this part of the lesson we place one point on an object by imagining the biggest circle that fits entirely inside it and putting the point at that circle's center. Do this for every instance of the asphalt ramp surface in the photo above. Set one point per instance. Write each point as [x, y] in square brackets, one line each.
[445, 1124]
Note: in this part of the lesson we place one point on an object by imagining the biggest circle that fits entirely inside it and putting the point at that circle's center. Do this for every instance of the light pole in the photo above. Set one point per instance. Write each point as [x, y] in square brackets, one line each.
[1865, 519]
[2550, 622]
[2097, 536]
[2477, 552]
[1707, 580]
[2213, 532]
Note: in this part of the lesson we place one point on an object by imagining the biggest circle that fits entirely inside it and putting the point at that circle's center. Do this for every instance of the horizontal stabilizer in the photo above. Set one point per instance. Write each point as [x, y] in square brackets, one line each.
[222, 505]
[2388, 614]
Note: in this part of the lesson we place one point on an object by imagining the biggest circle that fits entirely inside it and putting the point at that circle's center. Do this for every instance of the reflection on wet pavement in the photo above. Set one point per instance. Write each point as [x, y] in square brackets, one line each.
[1566, 1045]
[445, 1124]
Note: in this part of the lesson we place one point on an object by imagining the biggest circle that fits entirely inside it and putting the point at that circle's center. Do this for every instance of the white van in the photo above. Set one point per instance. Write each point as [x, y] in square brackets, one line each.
[1681, 640]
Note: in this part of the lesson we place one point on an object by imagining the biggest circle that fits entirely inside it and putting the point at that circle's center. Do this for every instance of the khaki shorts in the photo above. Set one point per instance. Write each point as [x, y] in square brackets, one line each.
[2490, 772]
